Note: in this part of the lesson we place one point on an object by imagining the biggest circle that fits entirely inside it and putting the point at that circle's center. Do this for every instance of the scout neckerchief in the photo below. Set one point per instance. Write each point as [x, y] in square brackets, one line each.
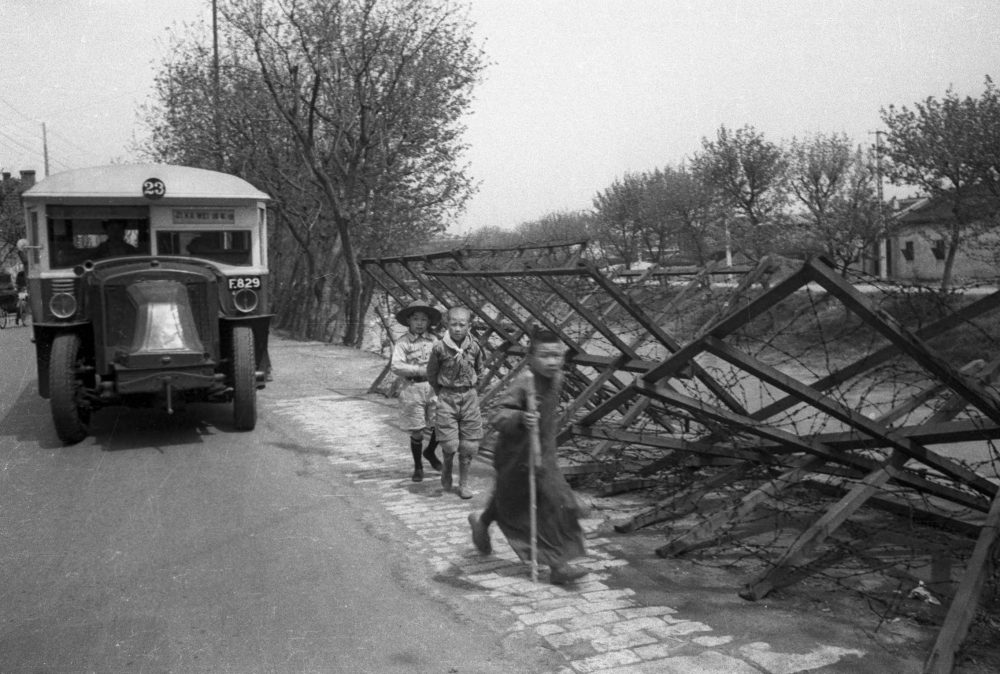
[451, 343]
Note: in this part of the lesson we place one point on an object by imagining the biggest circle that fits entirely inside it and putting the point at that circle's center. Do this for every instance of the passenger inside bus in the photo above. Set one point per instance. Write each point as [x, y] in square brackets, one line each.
[227, 247]
[206, 243]
[115, 244]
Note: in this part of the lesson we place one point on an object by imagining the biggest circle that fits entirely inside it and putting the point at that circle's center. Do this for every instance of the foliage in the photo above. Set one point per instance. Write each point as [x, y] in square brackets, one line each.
[12, 226]
[682, 215]
[748, 173]
[349, 114]
[619, 214]
[949, 148]
[837, 187]
[560, 226]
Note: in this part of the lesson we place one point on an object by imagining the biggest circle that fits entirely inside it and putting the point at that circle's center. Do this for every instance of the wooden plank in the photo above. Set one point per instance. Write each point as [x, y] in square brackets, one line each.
[725, 326]
[670, 442]
[583, 468]
[857, 420]
[907, 342]
[684, 501]
[920, 510]
[567, 245]
[488, 396]
[616, 401]
[587, 395]
[876, 358]
[811, 446]
[627, 485]
[596, 322]
[783, 573]
[714, 526]
[966, 430]
[963, 605]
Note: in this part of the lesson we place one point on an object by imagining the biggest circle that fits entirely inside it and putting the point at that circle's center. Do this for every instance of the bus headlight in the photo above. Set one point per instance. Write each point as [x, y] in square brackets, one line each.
[62, 305]
[245, 300]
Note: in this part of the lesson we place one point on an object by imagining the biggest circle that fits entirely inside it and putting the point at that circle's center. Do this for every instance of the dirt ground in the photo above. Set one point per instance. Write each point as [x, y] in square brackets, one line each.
[849, 599]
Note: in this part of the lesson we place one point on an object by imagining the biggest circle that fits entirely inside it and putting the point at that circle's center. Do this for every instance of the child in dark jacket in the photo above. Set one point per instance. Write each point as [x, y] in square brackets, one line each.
[559, 535]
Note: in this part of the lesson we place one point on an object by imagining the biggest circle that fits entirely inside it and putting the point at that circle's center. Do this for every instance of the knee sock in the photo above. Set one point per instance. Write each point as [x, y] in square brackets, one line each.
[415, 444]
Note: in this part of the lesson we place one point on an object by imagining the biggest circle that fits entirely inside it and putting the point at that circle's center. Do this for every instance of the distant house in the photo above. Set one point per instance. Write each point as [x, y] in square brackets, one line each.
[917, 245]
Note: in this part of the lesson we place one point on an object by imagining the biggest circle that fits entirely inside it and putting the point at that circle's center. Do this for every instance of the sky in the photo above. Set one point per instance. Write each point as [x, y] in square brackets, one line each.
[577, 92]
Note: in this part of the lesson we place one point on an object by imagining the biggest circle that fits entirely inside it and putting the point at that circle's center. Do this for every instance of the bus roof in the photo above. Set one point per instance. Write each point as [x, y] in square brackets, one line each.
[124, 182]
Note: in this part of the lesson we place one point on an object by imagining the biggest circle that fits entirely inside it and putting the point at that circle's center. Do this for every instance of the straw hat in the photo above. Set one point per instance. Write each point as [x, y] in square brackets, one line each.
[403, 315]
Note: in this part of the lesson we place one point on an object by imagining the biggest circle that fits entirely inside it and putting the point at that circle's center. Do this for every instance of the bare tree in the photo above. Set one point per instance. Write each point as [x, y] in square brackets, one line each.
[230, 124]
[372, 93]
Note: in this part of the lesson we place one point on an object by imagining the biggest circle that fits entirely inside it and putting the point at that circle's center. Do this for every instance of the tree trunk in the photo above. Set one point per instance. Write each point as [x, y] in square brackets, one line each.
[949, 261]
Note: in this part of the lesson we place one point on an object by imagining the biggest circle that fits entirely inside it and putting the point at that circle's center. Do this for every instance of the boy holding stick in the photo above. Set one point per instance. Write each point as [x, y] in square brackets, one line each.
[555, 520]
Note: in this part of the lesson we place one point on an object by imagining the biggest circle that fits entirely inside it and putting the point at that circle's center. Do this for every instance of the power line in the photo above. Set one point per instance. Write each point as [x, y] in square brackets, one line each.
[66, 140]
[9, 105]
[17, 142]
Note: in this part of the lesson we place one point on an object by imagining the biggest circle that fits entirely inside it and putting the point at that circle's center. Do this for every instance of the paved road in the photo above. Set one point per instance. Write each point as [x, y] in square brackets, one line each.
[177, 545]
[174, 544]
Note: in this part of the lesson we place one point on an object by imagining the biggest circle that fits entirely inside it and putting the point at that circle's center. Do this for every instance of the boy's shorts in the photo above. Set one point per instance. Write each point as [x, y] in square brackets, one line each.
[458, 416]
[416, 409]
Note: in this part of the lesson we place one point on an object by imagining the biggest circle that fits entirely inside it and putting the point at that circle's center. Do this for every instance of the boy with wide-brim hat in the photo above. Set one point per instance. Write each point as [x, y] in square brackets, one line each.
[417, 399]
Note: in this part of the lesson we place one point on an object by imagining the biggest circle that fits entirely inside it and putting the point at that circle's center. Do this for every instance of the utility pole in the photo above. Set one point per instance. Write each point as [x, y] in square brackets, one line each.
[45, 149]
[883, 247]
[215, 86]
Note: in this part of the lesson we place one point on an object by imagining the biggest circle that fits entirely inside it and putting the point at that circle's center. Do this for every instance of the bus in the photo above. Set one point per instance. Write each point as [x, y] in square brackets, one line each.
[148, 286]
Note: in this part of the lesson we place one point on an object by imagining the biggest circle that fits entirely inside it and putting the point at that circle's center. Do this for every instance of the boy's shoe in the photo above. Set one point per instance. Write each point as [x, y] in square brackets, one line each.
[561, 575]
[480, 535]
[465, 492]
[418, 475]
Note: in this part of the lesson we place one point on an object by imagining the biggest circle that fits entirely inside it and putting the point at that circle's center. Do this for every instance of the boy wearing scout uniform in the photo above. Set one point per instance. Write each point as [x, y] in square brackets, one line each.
[454, 368]
[416, 398]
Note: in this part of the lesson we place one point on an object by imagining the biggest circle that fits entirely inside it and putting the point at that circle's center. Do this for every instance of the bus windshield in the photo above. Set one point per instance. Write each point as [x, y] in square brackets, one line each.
[80, 233]
[224, 246]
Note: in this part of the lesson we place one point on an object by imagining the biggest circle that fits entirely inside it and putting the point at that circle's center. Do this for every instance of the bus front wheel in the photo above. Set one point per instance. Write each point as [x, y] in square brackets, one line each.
[244, 379]
[69, 413]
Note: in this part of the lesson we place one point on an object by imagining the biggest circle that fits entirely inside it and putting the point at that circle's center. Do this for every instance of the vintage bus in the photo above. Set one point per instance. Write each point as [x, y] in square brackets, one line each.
[148, 286]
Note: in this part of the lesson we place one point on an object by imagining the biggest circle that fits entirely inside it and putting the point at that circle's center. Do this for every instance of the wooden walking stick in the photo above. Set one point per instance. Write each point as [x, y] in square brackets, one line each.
[534, 455]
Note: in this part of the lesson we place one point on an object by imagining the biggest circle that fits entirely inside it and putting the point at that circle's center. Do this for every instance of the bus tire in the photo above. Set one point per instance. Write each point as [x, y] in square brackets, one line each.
[66, 388]
[244, 379]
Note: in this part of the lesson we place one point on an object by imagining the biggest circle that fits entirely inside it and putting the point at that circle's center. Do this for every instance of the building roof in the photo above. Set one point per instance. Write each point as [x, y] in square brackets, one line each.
[937, 210]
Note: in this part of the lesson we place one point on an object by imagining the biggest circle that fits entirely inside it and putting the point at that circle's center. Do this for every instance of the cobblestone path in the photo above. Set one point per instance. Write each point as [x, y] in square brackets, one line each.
[596, 628]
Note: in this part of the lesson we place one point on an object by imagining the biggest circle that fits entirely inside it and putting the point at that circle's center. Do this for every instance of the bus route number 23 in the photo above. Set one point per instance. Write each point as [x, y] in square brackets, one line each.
[153, 188]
